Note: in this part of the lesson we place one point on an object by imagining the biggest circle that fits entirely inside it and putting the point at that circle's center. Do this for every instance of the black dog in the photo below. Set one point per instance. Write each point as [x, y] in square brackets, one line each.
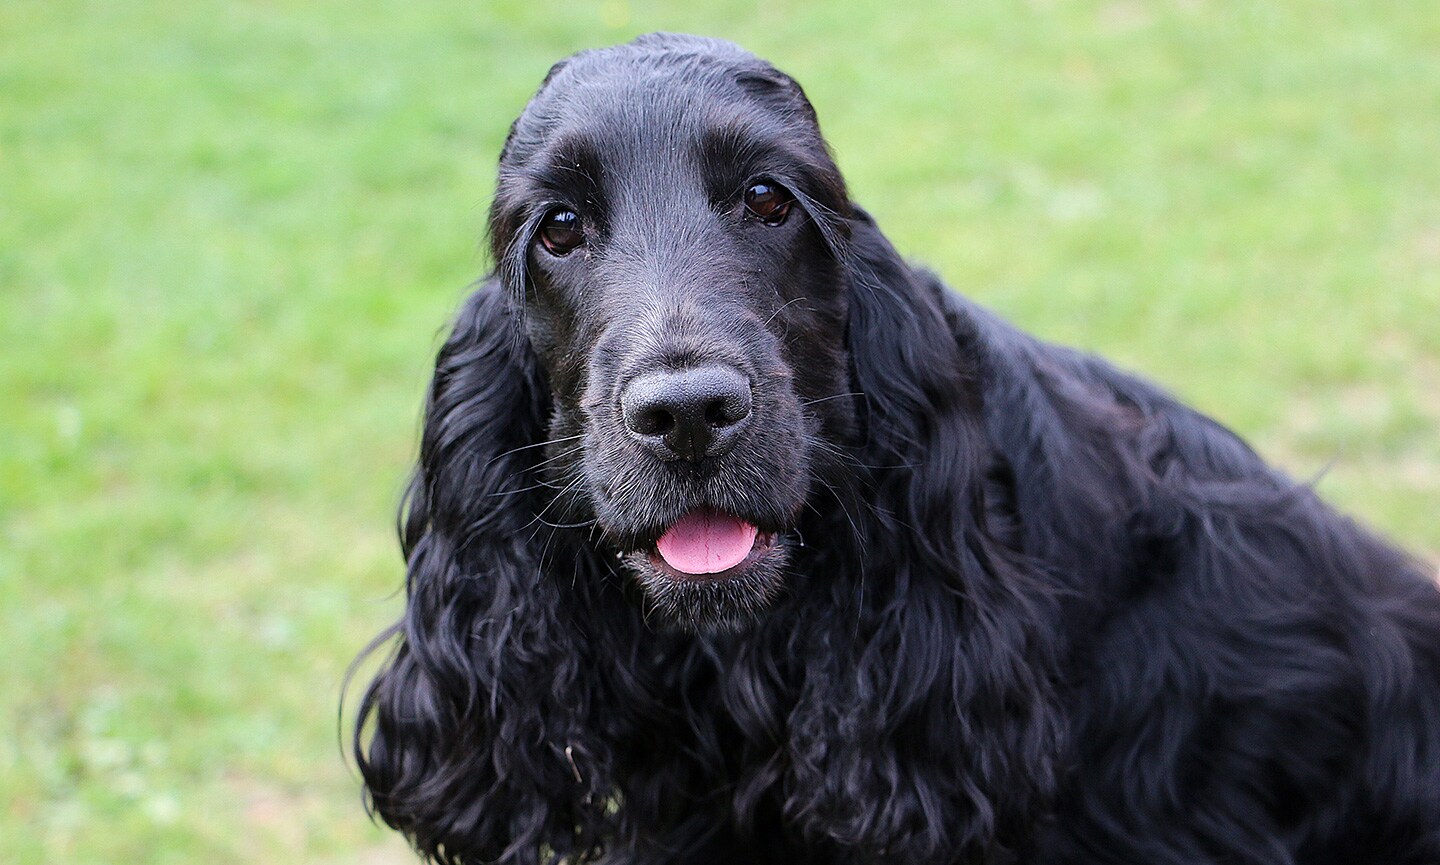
[736, 539]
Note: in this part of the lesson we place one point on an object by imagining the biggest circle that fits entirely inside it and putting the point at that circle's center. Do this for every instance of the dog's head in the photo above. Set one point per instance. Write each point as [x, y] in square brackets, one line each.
[668, 217]
[685, 314]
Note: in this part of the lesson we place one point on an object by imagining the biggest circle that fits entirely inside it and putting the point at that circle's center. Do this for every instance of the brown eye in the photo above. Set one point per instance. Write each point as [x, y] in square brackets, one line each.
[769, 202]
[560, 231]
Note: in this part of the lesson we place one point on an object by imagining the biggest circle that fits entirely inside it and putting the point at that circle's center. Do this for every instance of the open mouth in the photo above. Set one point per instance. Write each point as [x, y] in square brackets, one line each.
[709, 545]
[710, 570]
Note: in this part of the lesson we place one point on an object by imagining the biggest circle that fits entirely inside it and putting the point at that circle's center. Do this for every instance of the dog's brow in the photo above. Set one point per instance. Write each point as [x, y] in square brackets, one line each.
[569, 163]
[736, 144]
[732, 153]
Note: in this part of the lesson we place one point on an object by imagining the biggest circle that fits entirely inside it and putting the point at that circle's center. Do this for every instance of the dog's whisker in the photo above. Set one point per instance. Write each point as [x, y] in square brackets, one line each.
[810, 402]
[575, 525]
[782, 307]
[532, 446]
[840, 501]
[538, 485]
[560, 456]
[568, 488]
[850, 459]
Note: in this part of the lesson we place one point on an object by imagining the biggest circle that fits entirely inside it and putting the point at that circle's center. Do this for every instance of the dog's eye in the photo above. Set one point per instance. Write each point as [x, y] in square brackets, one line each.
[769, 202]
[560, 231]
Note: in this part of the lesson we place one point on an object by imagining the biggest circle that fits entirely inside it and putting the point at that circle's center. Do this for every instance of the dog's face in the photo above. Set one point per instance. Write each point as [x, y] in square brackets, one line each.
[668, 215]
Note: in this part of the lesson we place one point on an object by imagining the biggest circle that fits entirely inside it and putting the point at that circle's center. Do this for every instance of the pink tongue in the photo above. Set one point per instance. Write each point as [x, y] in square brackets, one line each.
[706, 542]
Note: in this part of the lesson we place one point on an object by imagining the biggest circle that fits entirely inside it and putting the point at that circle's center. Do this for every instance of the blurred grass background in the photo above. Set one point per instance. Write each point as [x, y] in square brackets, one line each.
[230, 234]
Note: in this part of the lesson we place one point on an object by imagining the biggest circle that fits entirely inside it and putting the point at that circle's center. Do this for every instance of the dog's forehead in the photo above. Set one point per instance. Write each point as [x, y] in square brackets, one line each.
[658, 96]
[649, 113]
[660, 68]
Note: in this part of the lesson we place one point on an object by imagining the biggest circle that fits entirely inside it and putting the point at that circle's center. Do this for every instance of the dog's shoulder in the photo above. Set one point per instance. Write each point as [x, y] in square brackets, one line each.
[1095, 451]
[1051, 409]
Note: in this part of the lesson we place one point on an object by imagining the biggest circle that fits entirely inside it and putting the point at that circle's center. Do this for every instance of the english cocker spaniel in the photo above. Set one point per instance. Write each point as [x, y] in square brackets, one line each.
[737, 539]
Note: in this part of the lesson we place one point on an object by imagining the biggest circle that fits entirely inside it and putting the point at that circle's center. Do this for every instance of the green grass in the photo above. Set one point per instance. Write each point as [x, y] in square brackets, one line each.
[230, 233]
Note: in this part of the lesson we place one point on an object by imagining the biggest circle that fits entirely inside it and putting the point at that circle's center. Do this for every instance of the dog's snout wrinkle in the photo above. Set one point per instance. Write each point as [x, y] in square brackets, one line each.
[688, 414]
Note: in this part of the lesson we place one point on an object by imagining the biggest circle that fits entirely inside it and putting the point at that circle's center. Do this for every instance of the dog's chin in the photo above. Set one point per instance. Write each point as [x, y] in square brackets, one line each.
[726, 601]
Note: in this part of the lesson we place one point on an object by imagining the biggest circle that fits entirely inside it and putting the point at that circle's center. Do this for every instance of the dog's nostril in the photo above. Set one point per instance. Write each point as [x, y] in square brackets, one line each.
[653, 423]
[726, 411]
[715, 414]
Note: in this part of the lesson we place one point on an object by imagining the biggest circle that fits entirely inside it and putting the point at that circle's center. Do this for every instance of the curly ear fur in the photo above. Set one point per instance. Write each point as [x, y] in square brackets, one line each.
[925, 729]
[470, 720]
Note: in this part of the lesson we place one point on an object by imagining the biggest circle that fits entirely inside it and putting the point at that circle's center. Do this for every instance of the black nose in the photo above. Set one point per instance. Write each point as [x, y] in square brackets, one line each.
[690, 414]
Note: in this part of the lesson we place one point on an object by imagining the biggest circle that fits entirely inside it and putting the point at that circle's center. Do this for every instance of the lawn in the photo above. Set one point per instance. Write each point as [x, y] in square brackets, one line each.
[230, 234]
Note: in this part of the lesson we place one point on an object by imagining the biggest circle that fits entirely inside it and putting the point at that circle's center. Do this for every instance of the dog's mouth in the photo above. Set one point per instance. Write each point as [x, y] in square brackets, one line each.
[707, 544]
[710, 570]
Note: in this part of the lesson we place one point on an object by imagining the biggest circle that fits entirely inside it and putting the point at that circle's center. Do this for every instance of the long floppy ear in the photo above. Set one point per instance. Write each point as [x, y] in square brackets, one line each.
[914, 360]
[956, 624]
[472, 733]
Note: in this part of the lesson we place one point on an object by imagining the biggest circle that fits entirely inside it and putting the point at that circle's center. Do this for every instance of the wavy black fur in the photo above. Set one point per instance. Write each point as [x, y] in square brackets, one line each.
[1024, 607]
